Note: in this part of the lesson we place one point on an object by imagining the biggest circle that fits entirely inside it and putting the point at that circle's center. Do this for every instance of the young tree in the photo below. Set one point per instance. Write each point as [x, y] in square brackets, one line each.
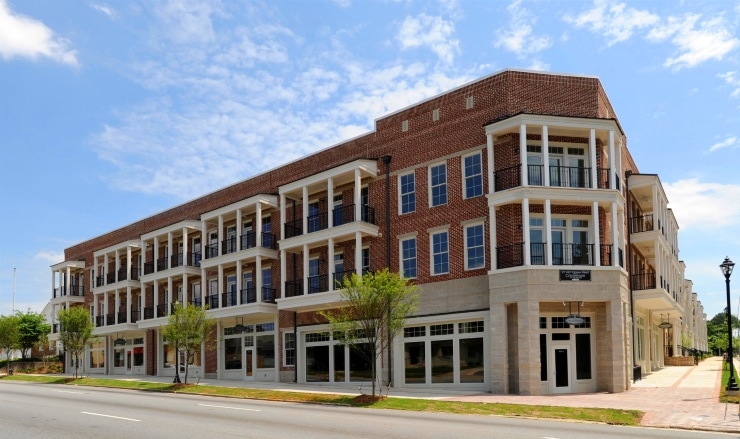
[32, 328]
[374, 309]
[188, 328]
[8, 336]
[75, 331]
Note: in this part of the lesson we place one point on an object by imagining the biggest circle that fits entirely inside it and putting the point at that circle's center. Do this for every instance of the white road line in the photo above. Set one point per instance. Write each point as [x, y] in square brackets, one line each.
[68, 391]
[109, 416]
[232, 408]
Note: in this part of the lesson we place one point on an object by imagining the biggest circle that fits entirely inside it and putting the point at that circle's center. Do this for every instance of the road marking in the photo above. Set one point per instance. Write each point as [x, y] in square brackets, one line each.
[109, 416]
[232, 408]
[68, 391]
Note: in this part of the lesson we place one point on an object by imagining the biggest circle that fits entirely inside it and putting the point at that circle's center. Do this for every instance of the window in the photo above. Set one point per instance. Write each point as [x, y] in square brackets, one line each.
[313, 217]
[364, 202]
[365, 260]
[289, 349]
[408, 196]
[408, 258]
[438, 183]
[474, 247]
[473, 175]
[440, 253]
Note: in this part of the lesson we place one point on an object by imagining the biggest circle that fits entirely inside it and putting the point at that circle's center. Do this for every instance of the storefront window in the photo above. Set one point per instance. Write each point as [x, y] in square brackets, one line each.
[168, 353]
[317, 363]
[361, 362]
[265, 351]
[232, 353]
[583, 356]
[139, 356]
[443, 370]
[119, 359]
[471, 360]
[415, 362]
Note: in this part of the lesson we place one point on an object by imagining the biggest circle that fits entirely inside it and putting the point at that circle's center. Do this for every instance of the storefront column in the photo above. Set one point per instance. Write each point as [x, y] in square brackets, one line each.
[528, 342]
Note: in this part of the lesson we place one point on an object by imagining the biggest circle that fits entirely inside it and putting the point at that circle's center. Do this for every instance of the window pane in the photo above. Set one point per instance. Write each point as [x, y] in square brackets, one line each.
[442, 362]
[265, 351]
[289, 346]
[233, 353]
[360, 363]
[317, 364]
[408, 196]
[476, 250]
[138, 356]
[440, 250]
[473, 176]
[408, 256]
[543, 356]
[339, 373]
[439, 185]
[415, 362]
[583, 356]
[471, 360]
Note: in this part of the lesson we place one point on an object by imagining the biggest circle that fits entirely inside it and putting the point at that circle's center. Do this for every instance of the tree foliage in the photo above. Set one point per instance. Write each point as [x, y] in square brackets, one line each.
[188, 328]
[75, 331]
[373, 311]
[32, 330]
[9, 335]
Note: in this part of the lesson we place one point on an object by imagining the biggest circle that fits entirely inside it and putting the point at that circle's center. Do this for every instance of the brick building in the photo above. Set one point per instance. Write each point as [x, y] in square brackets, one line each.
[505, 199]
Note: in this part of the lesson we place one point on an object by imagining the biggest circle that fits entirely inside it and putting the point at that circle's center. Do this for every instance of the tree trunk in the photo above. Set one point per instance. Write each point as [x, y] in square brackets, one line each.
[187, 364]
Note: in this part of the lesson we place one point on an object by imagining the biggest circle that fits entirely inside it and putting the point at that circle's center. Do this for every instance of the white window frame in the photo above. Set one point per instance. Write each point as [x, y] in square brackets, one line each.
[466, 228]
[402, 194]
[441, 185]
[432, 254]
[285, 349]
[465, 176]
[401, 260]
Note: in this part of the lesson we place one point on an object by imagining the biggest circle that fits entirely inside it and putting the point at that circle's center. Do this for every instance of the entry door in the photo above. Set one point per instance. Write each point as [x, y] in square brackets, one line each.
[555, 171]
[577, 173]
[249, 362]
[561, 369]
[129, 359]
[557, 246]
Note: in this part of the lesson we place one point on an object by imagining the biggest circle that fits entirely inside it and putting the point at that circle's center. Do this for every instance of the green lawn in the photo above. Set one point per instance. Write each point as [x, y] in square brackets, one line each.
[607, 416]
[725, 378]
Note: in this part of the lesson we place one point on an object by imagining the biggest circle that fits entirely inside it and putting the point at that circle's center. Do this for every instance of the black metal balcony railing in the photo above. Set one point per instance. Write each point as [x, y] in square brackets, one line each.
[367, 214]
[621, 258]
[269, 240]
[176, 260]
[99, 281]
[193, 259]
[99, 321]
[248, 295]
[602, 177]
[211, 250]
[572, 254]
[318, 284]
[537, 253]
[134, 315]
[293, 288]
[228, 298]
[510, 256]
[606, 255]
[248, 240]
[641, 224]
[507, 178]
[534, 175]
[134, 273]
[340, 276]
[317, 222]
[293, 228]
[268, 294]
[55, 328]
[110, 278]
[643, 281]
[189, 259]
[110, 319]
[570, 176]
[148, 267]
[57, 292]
[148, 312]
[212, 301]
[228, 245]
[122, 274]
[161, 310]
[196, 301]
[162, 263]
[617, 183]
[122, 317]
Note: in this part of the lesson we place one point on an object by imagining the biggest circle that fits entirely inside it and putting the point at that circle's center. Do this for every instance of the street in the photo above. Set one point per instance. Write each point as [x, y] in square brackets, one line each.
[31, 410]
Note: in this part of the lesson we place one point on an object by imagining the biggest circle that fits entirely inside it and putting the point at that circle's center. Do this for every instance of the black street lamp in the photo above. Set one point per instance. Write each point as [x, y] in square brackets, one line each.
[727, 267]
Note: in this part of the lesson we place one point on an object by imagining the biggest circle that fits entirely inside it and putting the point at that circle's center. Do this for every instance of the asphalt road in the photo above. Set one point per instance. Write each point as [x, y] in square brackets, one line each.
[29, 410]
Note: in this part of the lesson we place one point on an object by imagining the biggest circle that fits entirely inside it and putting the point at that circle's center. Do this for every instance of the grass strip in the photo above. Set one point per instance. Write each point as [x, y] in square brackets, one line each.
[723, 397]
[601, 415]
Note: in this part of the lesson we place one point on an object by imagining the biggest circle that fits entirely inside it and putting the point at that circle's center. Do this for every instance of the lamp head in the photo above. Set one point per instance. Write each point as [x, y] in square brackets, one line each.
[726, 266]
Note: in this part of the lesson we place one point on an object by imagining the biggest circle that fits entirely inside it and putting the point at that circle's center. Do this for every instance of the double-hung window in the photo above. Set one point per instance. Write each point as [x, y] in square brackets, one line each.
[474, 247]
[407, 192]
[440, 252]
[408, 258]
[438, 186]
[288, 349]
[473, 175]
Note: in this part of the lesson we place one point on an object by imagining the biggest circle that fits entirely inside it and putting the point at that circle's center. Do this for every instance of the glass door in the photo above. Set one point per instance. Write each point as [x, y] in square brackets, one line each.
[557, 246]
[249, 362]
[129, 359]
[534, 170]
[561, 364]
[577, 173]
[555, 171]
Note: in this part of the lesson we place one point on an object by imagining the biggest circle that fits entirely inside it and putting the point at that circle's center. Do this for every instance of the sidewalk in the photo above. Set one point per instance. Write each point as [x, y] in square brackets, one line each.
[673, 397]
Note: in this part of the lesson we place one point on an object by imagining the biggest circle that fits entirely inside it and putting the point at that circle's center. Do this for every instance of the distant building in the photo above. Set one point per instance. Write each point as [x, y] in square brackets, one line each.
[507, 204]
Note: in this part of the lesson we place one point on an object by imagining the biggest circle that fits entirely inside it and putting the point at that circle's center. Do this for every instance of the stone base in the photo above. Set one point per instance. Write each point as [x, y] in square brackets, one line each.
[679, 361]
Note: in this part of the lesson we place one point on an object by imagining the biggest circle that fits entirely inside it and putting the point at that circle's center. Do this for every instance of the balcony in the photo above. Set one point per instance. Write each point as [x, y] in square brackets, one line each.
[211, 250]
[188, 259]
[72, 290]
[122, 317]
[294, 288]
[560, 176]
[55, 328]
[228, 245]
[163, 308]
[318, 284]
[268, 294]
[562, 254]
[99, 321]
[643, 281]
[640, 224]
[148, 312]
[162, 263]
[134, 315]
[212, 301]
[110, 278]
[341, 215]
[249, 295]
[228, 298]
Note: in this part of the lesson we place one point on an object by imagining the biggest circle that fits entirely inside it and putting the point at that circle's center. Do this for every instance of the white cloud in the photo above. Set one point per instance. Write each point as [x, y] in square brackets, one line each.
[539, 65]
[728, 142]
[518, 36]
[697, 41]
[616, 22]
[104, 9]
[25, 37]
[434, 33]
[704, 205]
[49, 256]
[343, 3]
[733, 80]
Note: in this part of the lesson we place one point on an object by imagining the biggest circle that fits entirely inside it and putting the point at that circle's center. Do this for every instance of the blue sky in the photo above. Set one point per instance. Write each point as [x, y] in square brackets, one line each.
[111, 111]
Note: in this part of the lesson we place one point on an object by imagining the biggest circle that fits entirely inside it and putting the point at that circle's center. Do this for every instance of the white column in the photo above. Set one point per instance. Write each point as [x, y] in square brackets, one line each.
[658, 263]
[548, 232]
[204, 240]
[155, 252]
[184, 290]
[128, 304]
[358, 253]
[330, 247]
[283, 275]
[305, 269]
[220, 285]
[258, 225]
[304, 206]
[525, 230]
[358, 196]
[203, 288]
[282, 217]
[220, 235]
[185, 260]
[616, 224]
[116, 306]
[169, 295]
[219, 351]
[489, 151]
[492, 235]
[597, 234]
[105, 308]
[105, 267]
[116, 266]
[330, 202]
[128, 262]
[592, 152]
[155, 292]
[239, 231]
[258, 279]
[53, 283]
[545, 155]
[239, 285]
[612, 165]
[523, 154]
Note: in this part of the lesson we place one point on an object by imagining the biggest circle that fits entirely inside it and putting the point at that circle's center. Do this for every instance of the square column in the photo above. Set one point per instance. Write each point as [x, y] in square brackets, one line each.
[597, 233]
[615, 171]
[592, 152]
[492, 236]
[258, 279]
[330, 202]
[548, 232]
[616, 225]
[220, 282]
[330, 248]
[128, 304]
[358, 195]
[528, 342]
[525, 230]
[523, 154]
[489, 151]
[305, 268]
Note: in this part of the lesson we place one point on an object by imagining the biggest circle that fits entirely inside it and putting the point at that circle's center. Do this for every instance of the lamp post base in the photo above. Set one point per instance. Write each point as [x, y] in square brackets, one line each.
[732, 385]
[177, 380]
